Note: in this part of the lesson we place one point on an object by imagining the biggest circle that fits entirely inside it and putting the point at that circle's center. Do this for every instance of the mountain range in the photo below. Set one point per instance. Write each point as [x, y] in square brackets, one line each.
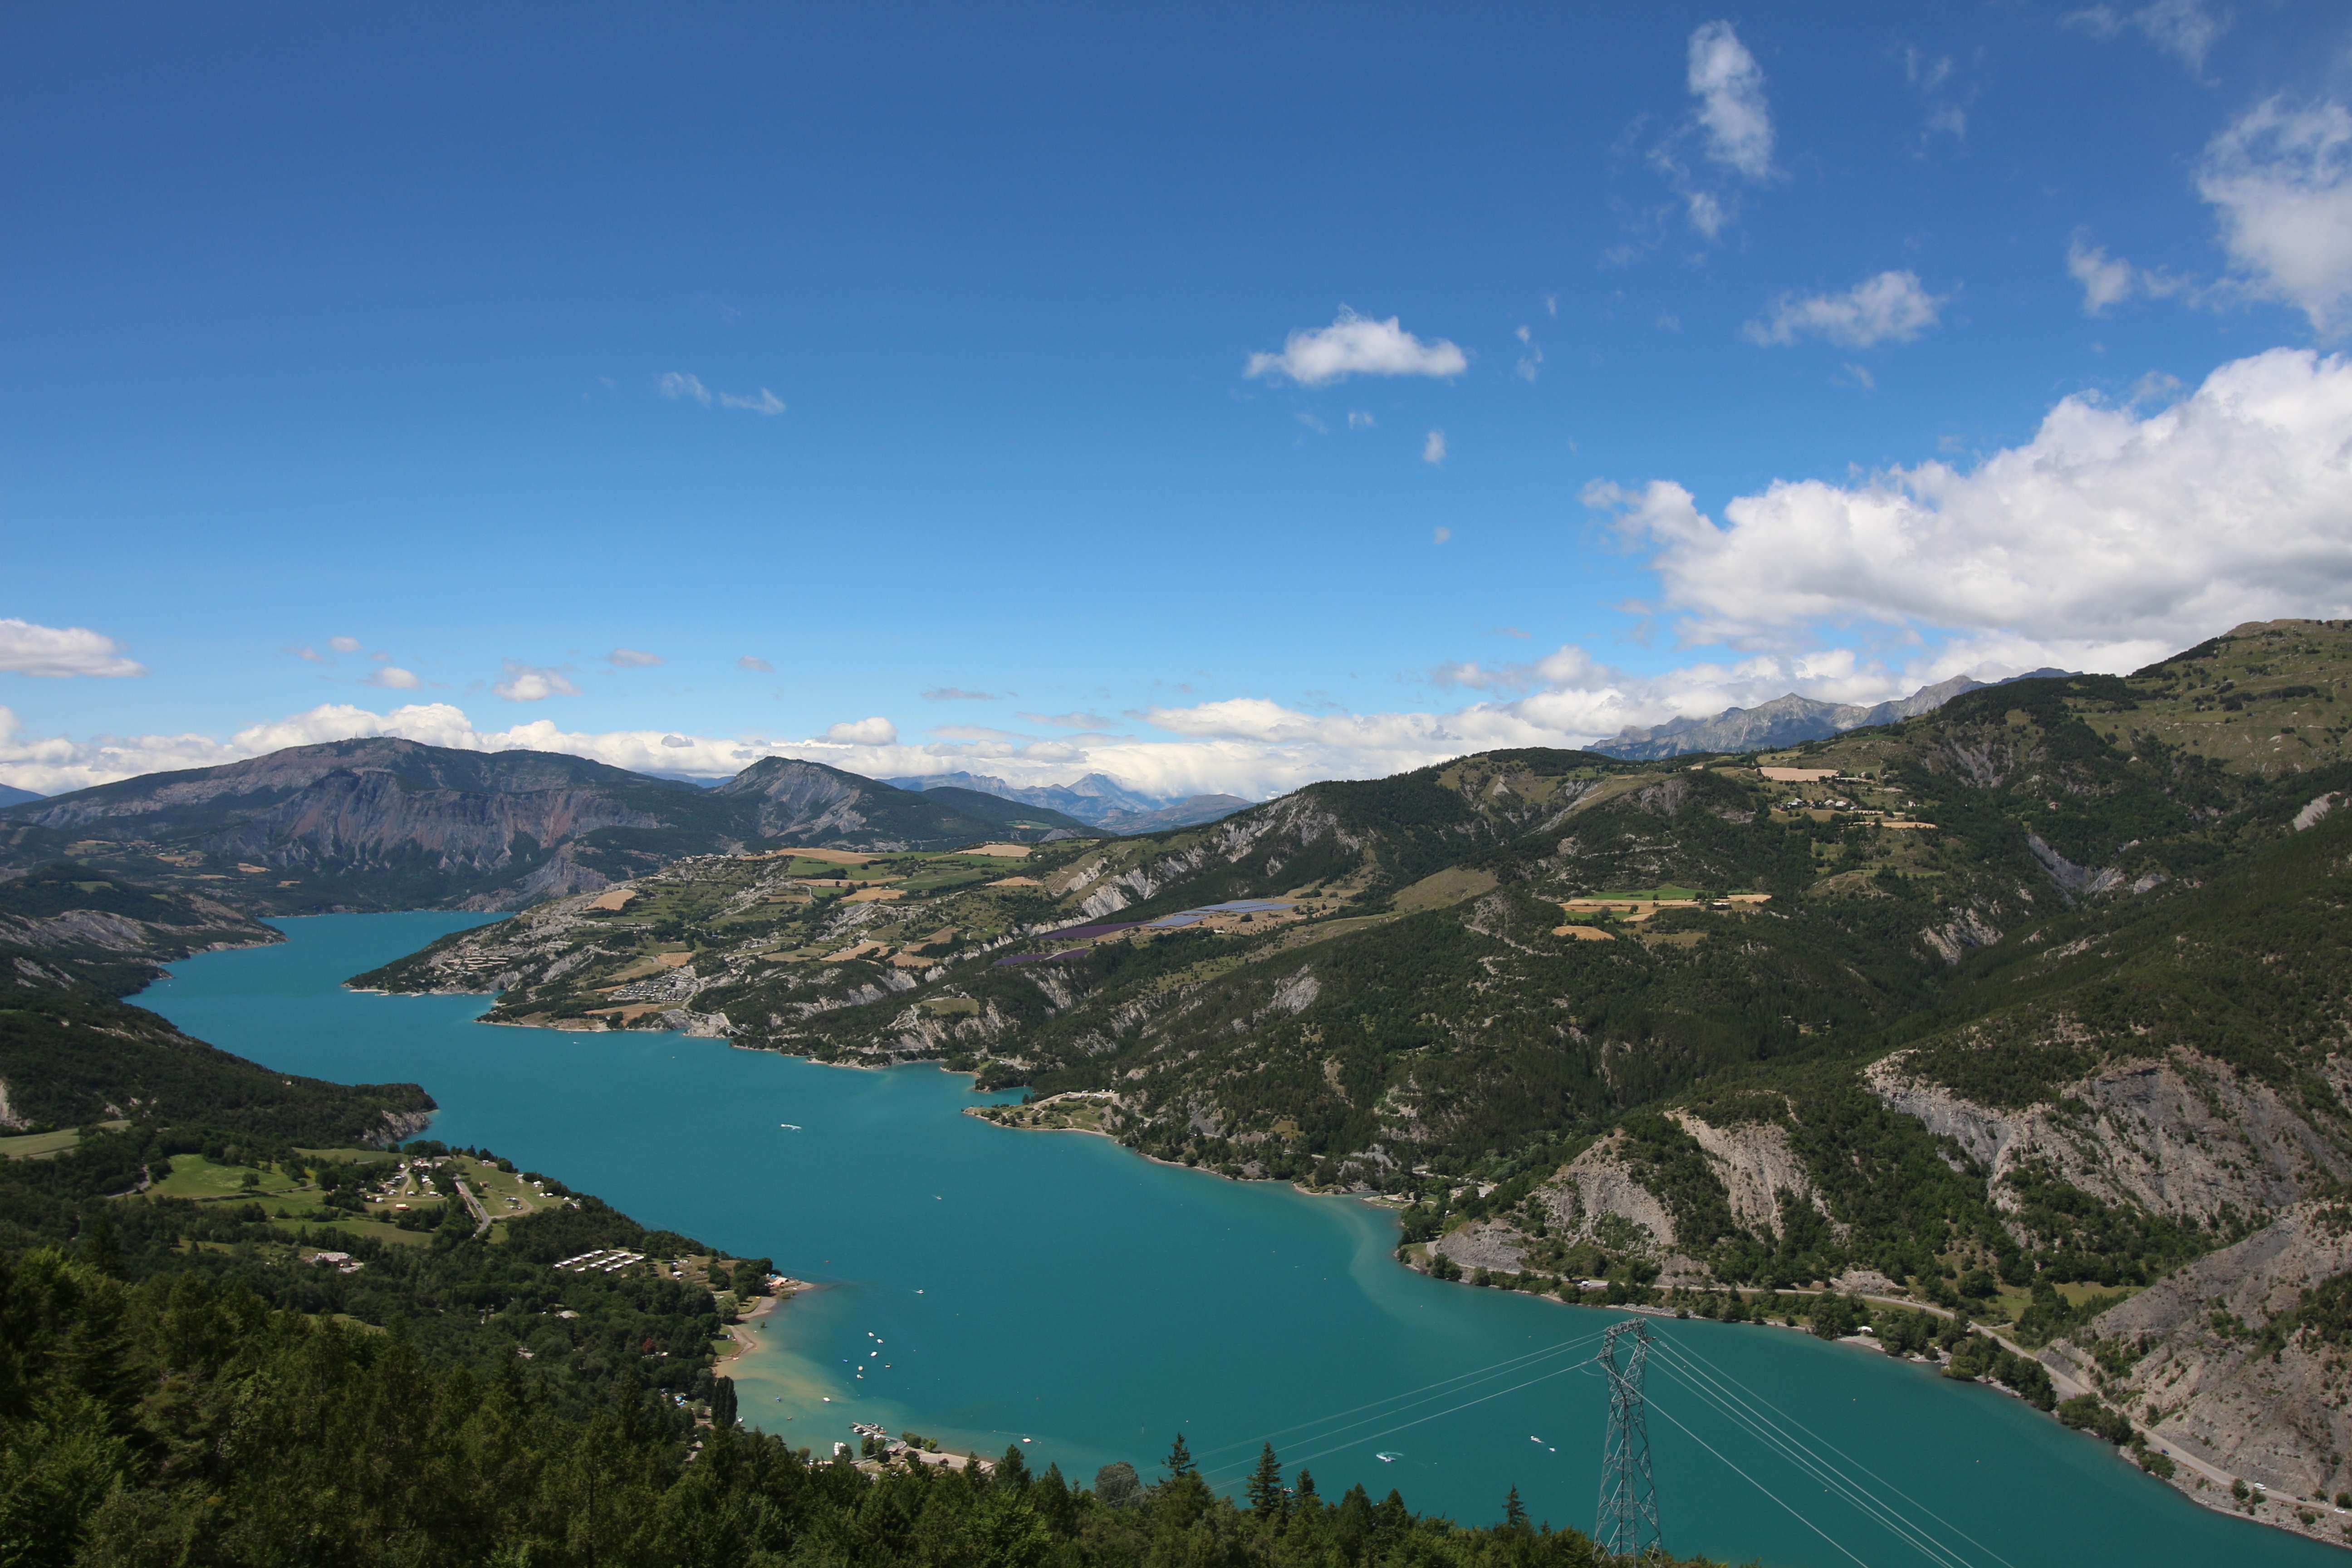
[11, 796]
[1096, 798]
[1785, 721]
[391, 824]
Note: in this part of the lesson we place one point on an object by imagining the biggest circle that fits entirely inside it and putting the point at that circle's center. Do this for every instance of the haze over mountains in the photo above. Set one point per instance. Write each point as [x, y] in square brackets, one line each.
[1096, 798]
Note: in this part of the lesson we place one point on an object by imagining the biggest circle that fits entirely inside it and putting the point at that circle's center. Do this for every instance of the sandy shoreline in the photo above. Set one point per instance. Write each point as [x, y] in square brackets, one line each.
[745, 1341]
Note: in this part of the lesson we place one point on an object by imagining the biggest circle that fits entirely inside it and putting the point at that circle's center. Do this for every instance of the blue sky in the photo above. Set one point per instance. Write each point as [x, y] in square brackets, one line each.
[1220, 398]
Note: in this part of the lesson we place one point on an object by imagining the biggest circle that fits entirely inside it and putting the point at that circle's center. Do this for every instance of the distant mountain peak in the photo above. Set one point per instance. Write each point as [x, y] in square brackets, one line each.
[1787, 720]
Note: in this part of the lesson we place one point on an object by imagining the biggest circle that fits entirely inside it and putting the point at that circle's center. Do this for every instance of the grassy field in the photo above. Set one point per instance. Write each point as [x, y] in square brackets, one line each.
[41, 1145]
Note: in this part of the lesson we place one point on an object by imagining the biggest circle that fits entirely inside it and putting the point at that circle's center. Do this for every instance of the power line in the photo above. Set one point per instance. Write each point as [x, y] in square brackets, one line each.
[1833, 1480]
[1693, 1353]
[1545, 1377]
[1760, 1486]
[1410, 1398]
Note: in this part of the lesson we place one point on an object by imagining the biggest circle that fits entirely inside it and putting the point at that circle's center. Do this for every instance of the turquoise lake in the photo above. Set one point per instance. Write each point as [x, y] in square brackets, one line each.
[994, 1286]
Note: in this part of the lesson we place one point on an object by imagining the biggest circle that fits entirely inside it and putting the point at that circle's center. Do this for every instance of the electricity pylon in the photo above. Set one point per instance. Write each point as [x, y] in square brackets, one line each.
[1628, 1522]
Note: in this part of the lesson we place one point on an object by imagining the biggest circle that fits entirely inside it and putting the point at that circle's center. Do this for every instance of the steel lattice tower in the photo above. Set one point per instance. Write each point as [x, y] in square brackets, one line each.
[1628, 1522]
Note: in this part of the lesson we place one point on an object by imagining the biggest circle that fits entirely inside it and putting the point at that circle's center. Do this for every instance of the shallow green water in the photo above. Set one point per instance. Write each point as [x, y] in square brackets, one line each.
[1054, 1287]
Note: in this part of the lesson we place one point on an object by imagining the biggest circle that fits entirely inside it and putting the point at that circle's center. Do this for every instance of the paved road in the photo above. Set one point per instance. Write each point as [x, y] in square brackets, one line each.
[481, 1215]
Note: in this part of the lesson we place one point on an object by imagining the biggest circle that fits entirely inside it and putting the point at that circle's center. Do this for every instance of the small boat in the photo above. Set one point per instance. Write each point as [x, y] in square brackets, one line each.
[790, 1126]
[1388, 1458]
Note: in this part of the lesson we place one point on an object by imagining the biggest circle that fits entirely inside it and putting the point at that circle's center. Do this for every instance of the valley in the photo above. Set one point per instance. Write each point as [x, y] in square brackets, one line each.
[2014, 1008]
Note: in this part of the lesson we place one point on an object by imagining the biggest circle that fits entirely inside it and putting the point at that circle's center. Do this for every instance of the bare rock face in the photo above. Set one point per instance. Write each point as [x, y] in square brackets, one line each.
[1491, 1244]
[2187, 1137]
[2270, 1410]
[1756, 1165]
[1597, 1184]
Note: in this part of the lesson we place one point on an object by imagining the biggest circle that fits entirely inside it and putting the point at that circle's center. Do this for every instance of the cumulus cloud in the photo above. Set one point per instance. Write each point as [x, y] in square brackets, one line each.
[680, 384]
[875, 731]
[632, 658]
[1729, 87]
[1731, 125]
[392, 677]
[1357, 345]
[2281, 176]
[755, 664]
[1889, 308]
[533, 683]
[344, 645]
[26, 648]
[1360, 420]
[1432, 447]
[2109, 539]
[1531, 355]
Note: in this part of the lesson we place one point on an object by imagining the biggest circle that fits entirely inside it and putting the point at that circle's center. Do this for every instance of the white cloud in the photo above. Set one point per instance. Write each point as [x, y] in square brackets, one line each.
[2110, 280]
[755, 664]
[2183, 28]
[874, 732]
[957, 694]
[1729, 87]
[1357, 345]
[2282, 177]
[633, 658]
[1889, 308]
[344, 645]
[766, 402]
[1432, 447]
[1360, 420]
[1532, 359]
[26, 648]
[533, 683]
[392, 677]
[1731, 125]
[2105, 282]
[1440, 535]
[680, 384]
[2111, 538]
[2187, 28]
[2117, 535]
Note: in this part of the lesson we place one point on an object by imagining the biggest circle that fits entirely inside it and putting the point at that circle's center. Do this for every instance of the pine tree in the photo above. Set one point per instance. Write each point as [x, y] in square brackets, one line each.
[1515, 1512]
[1012, 1470]
[1266, 1498]
[1306, 1485]
[1180, 1460]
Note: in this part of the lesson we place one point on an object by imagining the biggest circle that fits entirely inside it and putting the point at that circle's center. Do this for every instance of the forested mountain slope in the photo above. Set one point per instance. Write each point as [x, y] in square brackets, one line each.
[390, 825]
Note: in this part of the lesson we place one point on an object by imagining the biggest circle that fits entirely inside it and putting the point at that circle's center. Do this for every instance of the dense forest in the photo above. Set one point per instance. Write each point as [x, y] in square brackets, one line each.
[174, 1391]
